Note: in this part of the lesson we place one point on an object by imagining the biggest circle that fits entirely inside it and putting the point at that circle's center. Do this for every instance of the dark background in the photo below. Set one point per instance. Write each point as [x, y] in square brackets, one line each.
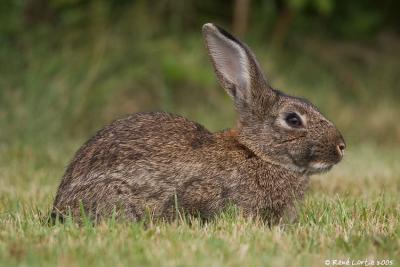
[67, 67]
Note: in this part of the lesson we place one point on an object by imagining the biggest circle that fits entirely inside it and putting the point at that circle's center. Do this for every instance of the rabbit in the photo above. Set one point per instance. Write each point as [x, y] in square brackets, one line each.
[159, 164]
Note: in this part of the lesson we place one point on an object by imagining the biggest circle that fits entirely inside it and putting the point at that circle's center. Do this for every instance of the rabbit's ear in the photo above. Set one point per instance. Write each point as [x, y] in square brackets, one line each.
[235, 65]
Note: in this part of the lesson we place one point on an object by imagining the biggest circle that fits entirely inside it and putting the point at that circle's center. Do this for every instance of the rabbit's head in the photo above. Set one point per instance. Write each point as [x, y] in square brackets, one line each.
[279, 128]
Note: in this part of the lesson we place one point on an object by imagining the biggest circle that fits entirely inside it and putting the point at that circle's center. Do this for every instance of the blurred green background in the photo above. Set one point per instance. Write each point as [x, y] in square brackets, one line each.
[68, 67]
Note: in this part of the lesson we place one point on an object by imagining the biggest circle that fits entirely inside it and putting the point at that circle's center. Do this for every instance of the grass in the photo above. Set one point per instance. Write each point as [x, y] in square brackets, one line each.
[351, 212]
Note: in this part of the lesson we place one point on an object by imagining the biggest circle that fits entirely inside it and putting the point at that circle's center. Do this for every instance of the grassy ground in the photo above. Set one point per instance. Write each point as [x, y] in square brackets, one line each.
[352, 212]
[55, 95]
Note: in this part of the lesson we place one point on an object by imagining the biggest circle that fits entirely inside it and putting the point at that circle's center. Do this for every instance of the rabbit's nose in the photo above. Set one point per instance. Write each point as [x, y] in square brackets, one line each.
[340, 148]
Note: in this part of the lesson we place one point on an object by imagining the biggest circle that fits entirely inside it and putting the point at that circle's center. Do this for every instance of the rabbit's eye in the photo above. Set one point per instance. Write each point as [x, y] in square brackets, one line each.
[293, 120]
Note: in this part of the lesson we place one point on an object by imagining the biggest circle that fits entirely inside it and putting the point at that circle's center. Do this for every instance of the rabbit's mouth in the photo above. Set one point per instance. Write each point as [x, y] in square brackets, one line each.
[318, 167]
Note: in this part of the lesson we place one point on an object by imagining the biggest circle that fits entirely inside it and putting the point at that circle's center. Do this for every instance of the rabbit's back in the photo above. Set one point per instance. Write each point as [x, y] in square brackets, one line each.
[140, 162]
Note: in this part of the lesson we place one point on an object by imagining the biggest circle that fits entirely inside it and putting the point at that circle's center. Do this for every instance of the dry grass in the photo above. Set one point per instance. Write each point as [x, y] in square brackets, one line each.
[351, 212]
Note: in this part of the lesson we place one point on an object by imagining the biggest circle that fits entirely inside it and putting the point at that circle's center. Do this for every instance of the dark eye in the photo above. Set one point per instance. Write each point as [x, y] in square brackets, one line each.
[293, 120]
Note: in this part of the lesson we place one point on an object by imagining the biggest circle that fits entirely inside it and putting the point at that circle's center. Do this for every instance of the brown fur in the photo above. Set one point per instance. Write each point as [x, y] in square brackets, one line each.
[158, 162]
